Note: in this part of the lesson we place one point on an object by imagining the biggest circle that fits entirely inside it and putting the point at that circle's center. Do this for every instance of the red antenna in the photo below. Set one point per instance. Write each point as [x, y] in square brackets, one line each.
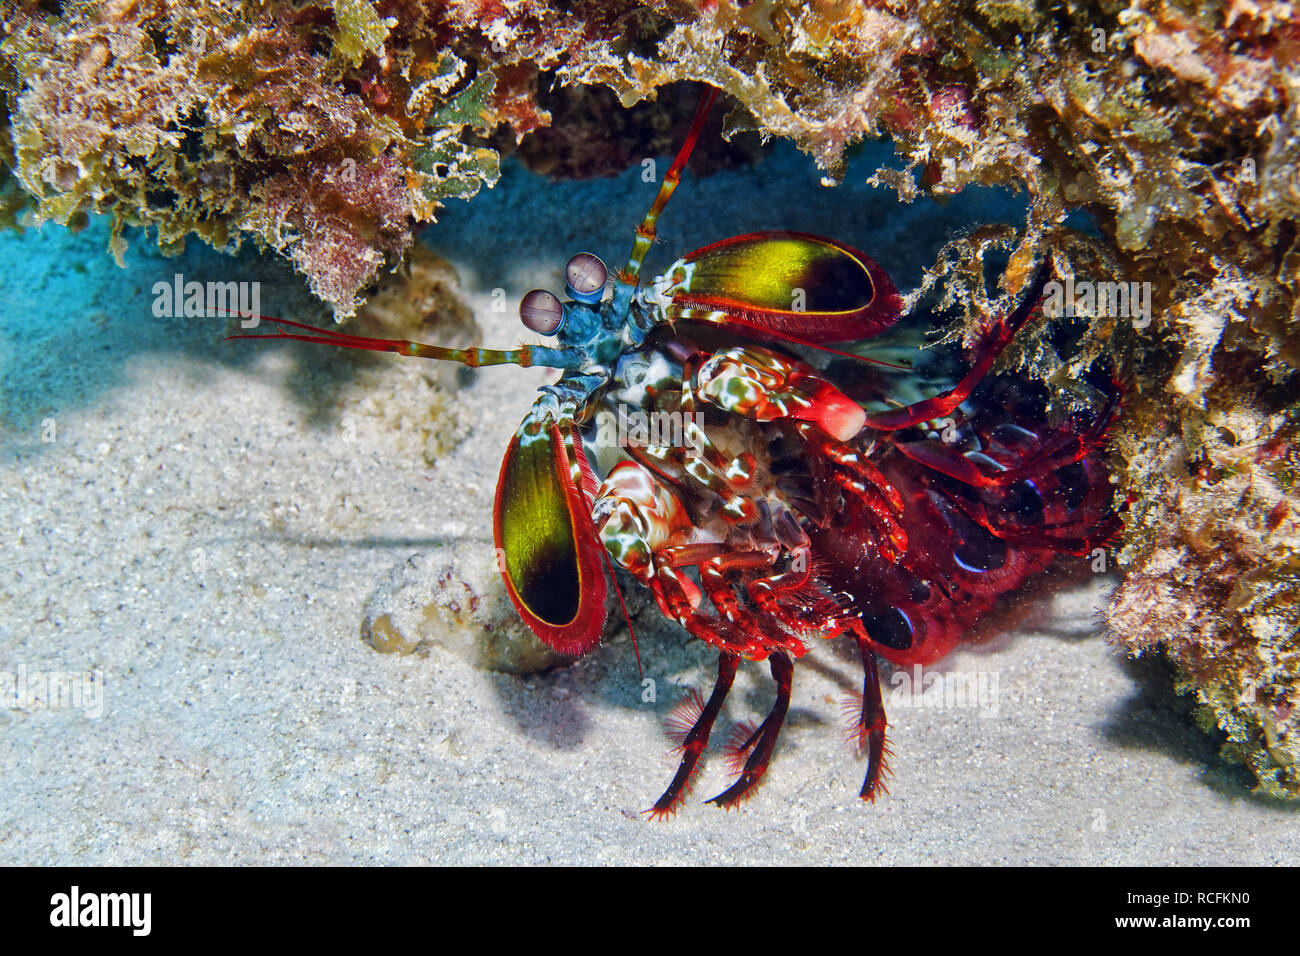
[646, 231]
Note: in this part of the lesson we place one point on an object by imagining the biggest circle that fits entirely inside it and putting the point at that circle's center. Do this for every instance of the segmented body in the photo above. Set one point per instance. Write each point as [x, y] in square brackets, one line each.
[794, 501]
[800, 520]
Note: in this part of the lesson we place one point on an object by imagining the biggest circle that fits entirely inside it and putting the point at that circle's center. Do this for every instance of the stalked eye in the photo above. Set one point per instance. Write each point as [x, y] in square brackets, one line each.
[584, 278]
[541, 312]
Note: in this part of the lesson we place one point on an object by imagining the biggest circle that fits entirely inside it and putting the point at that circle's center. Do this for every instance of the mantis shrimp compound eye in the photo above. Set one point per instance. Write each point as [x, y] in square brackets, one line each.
[541, 312]
[584, 278]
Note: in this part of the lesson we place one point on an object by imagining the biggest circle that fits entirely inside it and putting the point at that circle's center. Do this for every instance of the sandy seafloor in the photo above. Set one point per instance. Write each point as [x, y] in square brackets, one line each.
[202, 532]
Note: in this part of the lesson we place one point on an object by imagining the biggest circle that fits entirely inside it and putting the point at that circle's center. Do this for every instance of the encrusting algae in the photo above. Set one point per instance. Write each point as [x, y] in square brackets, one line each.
[327, 131]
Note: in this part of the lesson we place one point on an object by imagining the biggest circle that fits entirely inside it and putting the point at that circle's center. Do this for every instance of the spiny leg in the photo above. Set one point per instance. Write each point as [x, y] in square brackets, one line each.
[870, 727]
[756, 765]
[693, 746]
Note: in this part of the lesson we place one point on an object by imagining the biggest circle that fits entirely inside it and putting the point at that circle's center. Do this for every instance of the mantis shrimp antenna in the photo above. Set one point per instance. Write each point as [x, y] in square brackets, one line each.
[646, 231]
[648, 228]
[525, 355]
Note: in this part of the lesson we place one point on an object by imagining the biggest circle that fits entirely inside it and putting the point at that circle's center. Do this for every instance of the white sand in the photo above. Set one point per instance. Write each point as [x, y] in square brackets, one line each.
[203, 533]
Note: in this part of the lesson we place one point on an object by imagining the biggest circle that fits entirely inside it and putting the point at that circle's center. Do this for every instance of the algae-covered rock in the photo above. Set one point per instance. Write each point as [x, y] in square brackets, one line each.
[456, 602]
[1213, 578]
[453, 599]
[447, 600]
[285, 122]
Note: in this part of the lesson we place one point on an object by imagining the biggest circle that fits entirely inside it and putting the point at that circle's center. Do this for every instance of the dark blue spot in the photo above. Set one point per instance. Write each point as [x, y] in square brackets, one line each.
[892, 629]
[980, 551]
[1024, 502]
